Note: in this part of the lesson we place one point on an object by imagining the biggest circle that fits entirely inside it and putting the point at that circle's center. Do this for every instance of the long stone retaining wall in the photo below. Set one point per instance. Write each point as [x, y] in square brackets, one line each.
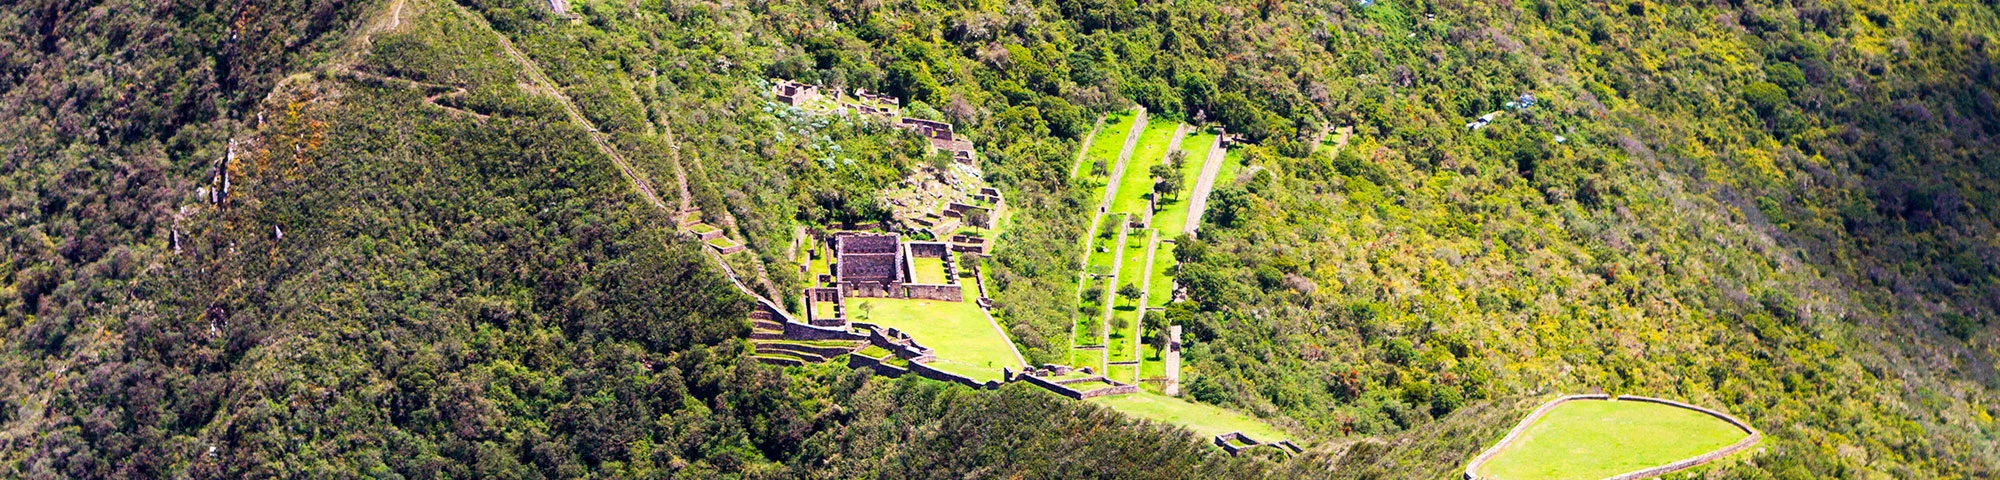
[932, 373]
[823, 352]
[1753, 436]
[883, 369]
[800, 331]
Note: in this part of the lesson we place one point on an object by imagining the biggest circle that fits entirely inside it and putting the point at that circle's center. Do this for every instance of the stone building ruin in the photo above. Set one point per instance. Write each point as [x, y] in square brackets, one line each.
[796, 94]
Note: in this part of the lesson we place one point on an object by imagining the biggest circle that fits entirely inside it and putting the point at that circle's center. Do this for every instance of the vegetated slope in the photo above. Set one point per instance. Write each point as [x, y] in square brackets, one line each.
[1430, 268]
[402, 284]
[1777, 209]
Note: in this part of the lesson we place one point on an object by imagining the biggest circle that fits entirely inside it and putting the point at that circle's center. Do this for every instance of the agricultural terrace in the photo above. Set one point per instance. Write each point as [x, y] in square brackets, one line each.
[1136, 182]
[1590, 439]
[1125, 312]
[1109, 327]
[959, 333]
[1204, 420]
[1173, 213]
[1232, 166]
[1103, 150]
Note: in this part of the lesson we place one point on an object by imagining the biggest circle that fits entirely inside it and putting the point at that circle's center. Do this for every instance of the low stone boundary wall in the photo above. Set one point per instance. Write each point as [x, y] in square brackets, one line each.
[800, 331]
[932, 373]
[1120, 389]
[780, 361]
[823, 352]
[880, 368]
[942, 293]
[1753, 436]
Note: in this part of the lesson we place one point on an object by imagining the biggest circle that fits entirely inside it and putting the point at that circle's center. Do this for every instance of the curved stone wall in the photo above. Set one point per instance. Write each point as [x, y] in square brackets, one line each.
[1751, 438]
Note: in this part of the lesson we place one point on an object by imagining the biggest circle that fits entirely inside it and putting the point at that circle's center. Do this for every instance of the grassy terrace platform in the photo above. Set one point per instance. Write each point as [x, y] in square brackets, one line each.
[1105, 148]
[929, 271]
[1173, 213]
[1137, 181]
[1204, 420]
[965, 343]
[1122, 373]
[1161, 291]
[1131, 271]
[1589, 439]
[1232, 166]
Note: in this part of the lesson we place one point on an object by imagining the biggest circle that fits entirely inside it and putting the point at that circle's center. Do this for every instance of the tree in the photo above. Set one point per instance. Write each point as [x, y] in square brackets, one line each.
[1166, 187]
[1130, 292]
[1156, 330]
[976, 218]
[1766, 97]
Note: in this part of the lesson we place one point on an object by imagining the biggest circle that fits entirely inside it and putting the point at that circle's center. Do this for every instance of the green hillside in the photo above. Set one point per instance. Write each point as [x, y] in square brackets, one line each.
[450, 242]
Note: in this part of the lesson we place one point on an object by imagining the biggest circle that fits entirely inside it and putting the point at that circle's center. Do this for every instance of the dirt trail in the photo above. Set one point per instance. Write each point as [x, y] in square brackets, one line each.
[542, 82]
[1076, 166]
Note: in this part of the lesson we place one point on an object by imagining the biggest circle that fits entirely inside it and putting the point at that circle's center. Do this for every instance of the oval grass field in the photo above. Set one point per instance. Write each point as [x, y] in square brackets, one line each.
[1595, 439]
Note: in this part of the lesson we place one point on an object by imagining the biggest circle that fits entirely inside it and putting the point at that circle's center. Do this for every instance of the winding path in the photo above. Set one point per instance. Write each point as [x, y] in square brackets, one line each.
[541, 81]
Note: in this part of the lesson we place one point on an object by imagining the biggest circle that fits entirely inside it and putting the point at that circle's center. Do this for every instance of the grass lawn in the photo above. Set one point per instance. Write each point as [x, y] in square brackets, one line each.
[1088, 386]
[930, 271]
[1232, 165]
[1087, 358]
[1204, 420]
[873, 351]
[1162, 290]
[1104, 148]
[1089, 324]
[722, 242]
[1596, 439]
[1173, 213]
[1137, 181]
[823, 309]
[1131, 271]
[1151, 364]
[1122, 373]
[965, 343]
[820, 266]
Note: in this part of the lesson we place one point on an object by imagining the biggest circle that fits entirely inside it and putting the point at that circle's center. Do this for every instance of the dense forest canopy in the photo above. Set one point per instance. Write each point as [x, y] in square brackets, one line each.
[422, 268]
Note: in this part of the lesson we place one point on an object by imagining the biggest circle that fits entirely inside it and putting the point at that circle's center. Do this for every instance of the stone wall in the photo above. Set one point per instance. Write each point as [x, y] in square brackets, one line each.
[866, 290]
[836, 317]
[883, 369]
[945, 293]
[823, 352]
[929, 372]
[1752, 437]
[929, 250]
[800, 331]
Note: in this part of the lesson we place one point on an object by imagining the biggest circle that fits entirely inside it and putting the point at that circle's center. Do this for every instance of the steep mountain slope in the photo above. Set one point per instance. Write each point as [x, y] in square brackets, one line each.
[421, 266]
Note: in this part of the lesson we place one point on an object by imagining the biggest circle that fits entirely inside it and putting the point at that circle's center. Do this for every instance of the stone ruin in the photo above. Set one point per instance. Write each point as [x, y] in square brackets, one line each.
[834, 317]
[881, 266]
[796, 94]
[1048, 377]
[1229, 441]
